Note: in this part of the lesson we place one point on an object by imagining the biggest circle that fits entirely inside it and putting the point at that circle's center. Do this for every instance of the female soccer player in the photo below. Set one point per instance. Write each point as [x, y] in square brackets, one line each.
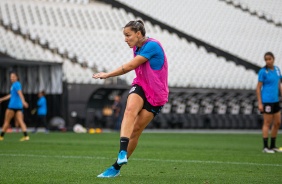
[15, 107]
[268, 101]
[149, 90]
[41, 112]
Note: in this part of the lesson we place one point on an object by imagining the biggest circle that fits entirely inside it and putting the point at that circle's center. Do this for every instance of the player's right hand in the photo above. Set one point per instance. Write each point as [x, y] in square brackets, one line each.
[101, 75]
[25, 104]
[260, 107]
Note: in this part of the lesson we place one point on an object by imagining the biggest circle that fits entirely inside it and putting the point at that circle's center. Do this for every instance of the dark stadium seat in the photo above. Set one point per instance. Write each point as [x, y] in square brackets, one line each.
[161, 121]
[193, 121]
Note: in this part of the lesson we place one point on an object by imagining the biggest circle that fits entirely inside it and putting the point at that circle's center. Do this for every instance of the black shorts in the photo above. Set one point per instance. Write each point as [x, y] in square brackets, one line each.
[15, 110]
[271, 108]
[139, 91]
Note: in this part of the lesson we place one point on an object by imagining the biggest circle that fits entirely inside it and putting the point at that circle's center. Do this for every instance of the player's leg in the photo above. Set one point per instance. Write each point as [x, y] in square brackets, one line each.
[9, 114]
[267, 120]
[19, 117]
[143, 119]
[274, 131]
[38, 122]
[133, 107]
[17, 125]
[45, 124]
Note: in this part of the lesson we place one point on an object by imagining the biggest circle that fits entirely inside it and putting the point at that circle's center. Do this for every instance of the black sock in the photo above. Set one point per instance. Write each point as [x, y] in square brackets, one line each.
[2, 134]
[265, 142]
[272, 143]
[123, 143]
[25, 134]
[116, 166]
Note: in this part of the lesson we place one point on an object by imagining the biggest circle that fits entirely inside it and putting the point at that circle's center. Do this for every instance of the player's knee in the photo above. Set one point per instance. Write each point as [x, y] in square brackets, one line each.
[277, 124]
[137, 128]
[129, 111]
[7, 122]
[267, 122]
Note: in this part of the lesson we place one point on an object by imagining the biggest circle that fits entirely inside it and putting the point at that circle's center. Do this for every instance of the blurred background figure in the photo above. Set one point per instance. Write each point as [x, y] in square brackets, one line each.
[268, 89]
[41, 112]
[15, 107]
[116, 107]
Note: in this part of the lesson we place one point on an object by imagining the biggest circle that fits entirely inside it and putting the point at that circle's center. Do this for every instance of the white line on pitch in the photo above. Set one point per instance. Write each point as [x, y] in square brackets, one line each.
[140, 159]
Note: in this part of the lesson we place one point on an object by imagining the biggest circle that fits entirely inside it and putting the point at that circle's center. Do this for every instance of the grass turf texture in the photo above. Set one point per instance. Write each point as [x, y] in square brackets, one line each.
[159, 158]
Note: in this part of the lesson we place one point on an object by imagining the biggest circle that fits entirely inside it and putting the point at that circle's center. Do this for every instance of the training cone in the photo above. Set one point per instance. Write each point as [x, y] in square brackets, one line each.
[98, 130]
[91, 131]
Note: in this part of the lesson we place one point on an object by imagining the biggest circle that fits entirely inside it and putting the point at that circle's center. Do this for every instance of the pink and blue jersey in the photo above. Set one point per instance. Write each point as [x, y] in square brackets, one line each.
[152, 75]
[270, 84]
[15, 100]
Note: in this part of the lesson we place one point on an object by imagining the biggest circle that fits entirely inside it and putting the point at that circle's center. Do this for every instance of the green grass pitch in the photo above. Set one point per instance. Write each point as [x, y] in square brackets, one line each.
[159, 158]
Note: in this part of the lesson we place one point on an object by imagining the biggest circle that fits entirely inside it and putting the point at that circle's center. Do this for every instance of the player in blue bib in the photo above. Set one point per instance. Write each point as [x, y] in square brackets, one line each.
[268, 101]
[15, 107]
[41, 112]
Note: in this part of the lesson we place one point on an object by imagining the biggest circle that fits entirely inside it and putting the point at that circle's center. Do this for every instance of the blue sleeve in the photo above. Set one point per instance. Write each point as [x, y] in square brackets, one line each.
[149, 50]
[17, 86]
[40, 102]
[280, 76]
[261, 75]
[153, 52]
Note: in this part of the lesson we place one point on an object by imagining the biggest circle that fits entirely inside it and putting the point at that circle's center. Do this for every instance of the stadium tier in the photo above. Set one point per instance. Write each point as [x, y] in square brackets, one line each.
[207, 89]
[92, 34]
[23, 49]
[272, 9]
[221, 25]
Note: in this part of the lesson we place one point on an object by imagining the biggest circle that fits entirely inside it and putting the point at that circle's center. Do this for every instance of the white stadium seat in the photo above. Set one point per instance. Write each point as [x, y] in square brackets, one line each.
[93, 33]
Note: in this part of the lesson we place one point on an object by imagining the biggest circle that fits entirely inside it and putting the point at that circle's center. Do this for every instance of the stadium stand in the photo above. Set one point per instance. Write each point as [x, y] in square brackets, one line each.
[86, 37]
[219, 24]
[270, 9]
[18, 47]
[93, 44]
[266, 10]
[207, 109]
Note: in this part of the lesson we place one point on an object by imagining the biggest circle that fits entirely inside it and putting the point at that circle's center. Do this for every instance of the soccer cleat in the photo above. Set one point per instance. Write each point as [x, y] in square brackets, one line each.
[26, 138]
[278, 150]
[266, 150]
[109, 173]
[1, 138]
[122, 158]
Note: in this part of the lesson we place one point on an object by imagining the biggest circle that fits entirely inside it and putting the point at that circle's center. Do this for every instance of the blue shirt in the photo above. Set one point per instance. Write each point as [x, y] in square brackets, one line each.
[15, 100]
[42, 106]
[270, 84]
[153, 52]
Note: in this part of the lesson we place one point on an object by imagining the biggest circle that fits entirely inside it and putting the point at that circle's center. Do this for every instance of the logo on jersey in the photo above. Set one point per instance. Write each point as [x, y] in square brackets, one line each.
[132, 89]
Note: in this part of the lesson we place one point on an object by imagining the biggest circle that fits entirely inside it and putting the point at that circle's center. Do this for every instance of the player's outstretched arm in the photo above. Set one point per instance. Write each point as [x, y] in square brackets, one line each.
[123, 69]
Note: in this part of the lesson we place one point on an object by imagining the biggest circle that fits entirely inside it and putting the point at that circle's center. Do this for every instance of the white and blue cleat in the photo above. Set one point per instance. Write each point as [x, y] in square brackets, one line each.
[109, 173]
[122, 158]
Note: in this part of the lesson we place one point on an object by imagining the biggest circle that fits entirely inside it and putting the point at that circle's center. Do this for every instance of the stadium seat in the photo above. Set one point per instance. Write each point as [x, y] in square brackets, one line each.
[93, 32]
[237, 37]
